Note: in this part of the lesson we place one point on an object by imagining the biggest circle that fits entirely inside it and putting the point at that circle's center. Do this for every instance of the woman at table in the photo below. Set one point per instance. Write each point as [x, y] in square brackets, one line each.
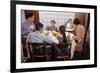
[70, 27]
[67, 38]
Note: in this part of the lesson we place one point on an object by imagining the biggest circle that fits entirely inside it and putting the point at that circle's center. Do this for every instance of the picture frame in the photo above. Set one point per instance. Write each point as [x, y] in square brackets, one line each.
[18, 66]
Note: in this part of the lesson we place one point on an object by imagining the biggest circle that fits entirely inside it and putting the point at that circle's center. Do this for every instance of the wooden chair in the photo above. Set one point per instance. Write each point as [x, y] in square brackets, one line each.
[65, 52]
[78, 53]
[37, 54]
[24, 53]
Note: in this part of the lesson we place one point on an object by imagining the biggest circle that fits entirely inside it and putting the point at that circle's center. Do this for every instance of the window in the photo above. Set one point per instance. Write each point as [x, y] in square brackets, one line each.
[59, 17]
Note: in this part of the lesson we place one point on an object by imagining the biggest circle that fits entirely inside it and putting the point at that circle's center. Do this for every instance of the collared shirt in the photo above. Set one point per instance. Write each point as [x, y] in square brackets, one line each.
[50, 28]
[24, 28]
[37, 37]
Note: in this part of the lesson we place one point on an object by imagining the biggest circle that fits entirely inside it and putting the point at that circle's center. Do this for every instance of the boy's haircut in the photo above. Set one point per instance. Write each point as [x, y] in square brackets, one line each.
[77, 21]
[53, 21]
[38, 26]
[29, 15]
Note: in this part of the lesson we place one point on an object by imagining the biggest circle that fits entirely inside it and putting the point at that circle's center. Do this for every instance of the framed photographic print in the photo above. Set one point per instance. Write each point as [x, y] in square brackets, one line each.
[52, 36]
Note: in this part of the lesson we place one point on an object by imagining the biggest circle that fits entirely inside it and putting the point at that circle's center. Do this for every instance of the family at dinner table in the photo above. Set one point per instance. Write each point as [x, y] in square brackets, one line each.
[72, 32]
